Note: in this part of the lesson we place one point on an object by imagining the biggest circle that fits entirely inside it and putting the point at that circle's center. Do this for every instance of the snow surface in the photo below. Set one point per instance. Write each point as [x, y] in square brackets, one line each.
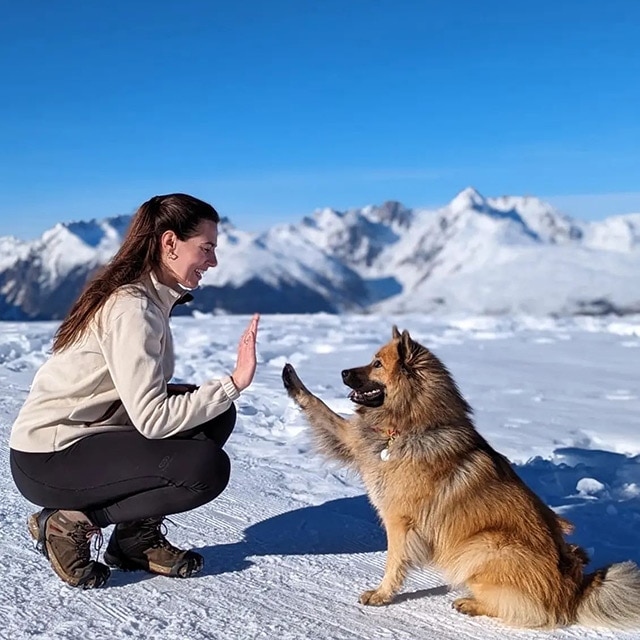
[293, 541]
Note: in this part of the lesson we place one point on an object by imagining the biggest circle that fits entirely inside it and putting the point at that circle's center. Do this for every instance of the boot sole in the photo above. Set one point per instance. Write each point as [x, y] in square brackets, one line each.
[179, 570]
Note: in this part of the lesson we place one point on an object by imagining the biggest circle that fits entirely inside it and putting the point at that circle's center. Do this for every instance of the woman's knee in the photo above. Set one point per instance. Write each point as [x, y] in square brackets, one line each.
[220, 428]
[210, 475]
[221, 473]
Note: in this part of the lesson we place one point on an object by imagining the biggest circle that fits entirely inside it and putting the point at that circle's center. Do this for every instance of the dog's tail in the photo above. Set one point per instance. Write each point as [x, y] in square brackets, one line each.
[611, 597]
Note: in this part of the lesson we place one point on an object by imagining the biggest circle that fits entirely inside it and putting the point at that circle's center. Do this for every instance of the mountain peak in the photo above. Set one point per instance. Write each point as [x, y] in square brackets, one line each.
[390, 212]
[468, 198]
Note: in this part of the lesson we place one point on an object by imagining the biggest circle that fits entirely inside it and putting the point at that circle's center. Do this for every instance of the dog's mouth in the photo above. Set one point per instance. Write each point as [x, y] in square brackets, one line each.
[368, 396]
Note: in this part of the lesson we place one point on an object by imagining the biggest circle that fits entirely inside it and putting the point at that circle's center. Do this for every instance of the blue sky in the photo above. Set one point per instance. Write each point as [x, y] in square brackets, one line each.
[271, 109]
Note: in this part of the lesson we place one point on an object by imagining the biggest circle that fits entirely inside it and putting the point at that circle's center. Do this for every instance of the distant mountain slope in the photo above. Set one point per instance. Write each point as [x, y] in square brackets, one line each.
[482, 255]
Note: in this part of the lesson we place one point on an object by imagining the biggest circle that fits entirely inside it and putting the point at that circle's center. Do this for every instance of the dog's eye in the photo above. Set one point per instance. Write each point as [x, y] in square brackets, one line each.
[377, 364]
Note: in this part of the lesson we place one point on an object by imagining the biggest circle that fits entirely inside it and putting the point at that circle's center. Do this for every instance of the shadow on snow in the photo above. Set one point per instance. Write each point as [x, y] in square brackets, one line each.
[606, 515]
[598, 491]
[342, 526]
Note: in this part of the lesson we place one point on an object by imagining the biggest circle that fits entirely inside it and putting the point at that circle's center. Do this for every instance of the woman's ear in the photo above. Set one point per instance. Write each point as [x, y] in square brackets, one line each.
[168, 243]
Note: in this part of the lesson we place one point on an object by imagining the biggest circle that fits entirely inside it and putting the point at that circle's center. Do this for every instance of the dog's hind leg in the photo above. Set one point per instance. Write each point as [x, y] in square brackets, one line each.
[505, 603]
[396, 566]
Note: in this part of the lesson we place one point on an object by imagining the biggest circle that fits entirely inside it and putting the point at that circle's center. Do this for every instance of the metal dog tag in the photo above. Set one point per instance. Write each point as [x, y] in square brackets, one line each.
[384, 454]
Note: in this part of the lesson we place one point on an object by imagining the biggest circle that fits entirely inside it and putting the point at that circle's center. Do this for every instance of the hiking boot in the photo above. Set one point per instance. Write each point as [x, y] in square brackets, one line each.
[141, 545]
[64, 538]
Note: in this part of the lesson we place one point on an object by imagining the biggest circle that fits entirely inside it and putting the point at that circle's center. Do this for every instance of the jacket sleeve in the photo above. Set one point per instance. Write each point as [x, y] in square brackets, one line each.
[132, 344]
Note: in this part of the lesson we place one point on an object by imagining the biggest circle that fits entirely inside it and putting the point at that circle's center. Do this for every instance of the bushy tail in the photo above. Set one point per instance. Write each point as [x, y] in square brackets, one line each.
[611, 597]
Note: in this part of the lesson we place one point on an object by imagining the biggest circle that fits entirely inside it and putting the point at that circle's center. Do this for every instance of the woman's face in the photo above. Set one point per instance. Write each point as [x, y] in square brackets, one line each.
[185, 261]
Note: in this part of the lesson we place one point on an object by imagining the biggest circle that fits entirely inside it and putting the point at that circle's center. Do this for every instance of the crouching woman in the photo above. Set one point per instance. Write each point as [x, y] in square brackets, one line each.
[103, 437]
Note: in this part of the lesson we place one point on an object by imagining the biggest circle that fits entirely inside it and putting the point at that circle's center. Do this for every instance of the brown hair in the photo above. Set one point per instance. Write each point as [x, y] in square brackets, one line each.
[138, 254]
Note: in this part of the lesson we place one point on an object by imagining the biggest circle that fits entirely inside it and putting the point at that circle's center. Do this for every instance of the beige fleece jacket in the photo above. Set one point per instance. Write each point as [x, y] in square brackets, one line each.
[116, 378]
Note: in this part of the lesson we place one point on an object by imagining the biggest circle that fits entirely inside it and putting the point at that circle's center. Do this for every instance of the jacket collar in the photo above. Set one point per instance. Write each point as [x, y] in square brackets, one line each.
[165, 296]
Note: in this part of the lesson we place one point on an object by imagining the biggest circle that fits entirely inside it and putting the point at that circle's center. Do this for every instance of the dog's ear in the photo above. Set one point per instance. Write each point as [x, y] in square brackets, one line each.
[405, 347]
[395, 334]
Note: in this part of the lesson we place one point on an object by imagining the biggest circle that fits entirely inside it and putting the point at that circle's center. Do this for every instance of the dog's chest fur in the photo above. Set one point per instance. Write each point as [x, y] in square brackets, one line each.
[405, 475]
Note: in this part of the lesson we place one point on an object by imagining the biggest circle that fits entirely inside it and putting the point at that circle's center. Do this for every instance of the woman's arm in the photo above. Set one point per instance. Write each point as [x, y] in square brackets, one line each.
[131, 342]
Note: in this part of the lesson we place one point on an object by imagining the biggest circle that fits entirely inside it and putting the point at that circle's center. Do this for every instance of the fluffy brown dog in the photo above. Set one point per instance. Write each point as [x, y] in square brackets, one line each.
[446, 497]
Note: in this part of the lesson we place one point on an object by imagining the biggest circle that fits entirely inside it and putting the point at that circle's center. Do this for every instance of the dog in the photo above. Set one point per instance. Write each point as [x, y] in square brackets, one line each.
[447, 498]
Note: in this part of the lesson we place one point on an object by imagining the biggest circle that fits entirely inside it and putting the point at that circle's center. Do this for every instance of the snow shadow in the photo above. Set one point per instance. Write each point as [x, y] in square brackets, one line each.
[599, 492]
[345, 525]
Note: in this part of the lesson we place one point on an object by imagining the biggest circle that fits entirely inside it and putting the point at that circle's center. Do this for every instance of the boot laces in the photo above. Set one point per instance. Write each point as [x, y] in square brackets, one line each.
[82, 535]
[153, 532]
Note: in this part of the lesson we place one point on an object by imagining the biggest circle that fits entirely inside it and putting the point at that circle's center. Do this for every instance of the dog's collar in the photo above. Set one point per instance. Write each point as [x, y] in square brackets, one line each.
[391, 435]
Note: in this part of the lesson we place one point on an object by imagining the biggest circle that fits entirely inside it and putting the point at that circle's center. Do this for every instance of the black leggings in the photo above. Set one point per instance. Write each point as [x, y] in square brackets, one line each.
[120, 476]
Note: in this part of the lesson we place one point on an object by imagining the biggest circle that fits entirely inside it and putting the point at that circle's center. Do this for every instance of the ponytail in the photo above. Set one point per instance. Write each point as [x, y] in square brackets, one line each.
[138, 254]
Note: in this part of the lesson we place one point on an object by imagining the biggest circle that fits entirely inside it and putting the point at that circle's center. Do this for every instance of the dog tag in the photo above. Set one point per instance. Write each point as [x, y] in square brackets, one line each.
[384, 454]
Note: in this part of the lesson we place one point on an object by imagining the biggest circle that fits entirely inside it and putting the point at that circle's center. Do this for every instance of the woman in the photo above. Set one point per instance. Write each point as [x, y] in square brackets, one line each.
[103, 437]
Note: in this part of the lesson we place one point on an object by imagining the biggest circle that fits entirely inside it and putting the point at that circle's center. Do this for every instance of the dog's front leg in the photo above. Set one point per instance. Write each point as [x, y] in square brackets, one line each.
[329, 428]
[396, 566]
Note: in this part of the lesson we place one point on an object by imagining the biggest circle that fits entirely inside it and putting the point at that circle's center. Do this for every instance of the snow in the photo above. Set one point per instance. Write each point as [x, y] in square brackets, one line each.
[75, 245]
[617, 233]
[293, 541]
[11, 250]
[528, 279]
[589, 486]
[468, 198]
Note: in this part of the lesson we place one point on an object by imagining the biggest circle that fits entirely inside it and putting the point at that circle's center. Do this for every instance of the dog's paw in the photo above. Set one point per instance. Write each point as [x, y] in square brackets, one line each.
[374, 597]
[468, 606]
[292, 382]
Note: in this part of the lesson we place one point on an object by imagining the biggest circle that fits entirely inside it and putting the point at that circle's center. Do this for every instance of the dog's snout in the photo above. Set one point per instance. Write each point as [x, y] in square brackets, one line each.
[345, 374]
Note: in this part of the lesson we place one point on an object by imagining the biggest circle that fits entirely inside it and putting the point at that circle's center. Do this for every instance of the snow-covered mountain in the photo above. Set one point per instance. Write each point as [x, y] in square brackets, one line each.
[482, 255]
[40, 279]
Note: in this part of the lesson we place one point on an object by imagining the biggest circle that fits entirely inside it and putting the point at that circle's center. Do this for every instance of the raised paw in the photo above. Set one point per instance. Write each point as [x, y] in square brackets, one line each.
[468, 606]
[292, 382]
[375, 597]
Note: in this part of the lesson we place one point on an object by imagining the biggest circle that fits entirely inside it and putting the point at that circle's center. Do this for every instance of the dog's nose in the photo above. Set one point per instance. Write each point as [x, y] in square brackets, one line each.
[345, 374]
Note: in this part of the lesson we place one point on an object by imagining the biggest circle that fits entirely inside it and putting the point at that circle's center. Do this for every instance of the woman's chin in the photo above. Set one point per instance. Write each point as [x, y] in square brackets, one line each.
[192, 282]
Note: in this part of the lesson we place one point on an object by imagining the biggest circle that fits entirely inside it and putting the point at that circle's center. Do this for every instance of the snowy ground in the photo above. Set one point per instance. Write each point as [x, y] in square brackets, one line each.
[293, 541]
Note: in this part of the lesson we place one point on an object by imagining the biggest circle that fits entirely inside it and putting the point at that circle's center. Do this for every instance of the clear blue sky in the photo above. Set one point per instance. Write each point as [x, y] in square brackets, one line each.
[272, 108]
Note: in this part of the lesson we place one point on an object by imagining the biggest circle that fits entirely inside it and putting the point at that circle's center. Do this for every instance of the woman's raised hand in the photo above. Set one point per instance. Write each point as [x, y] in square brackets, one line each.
[246, 362]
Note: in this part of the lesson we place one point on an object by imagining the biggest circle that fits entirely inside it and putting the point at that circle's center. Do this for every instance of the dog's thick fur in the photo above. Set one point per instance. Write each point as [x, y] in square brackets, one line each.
[446, 497]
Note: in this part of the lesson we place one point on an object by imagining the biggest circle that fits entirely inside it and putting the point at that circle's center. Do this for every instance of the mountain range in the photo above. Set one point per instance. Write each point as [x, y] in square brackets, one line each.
[500, 255]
